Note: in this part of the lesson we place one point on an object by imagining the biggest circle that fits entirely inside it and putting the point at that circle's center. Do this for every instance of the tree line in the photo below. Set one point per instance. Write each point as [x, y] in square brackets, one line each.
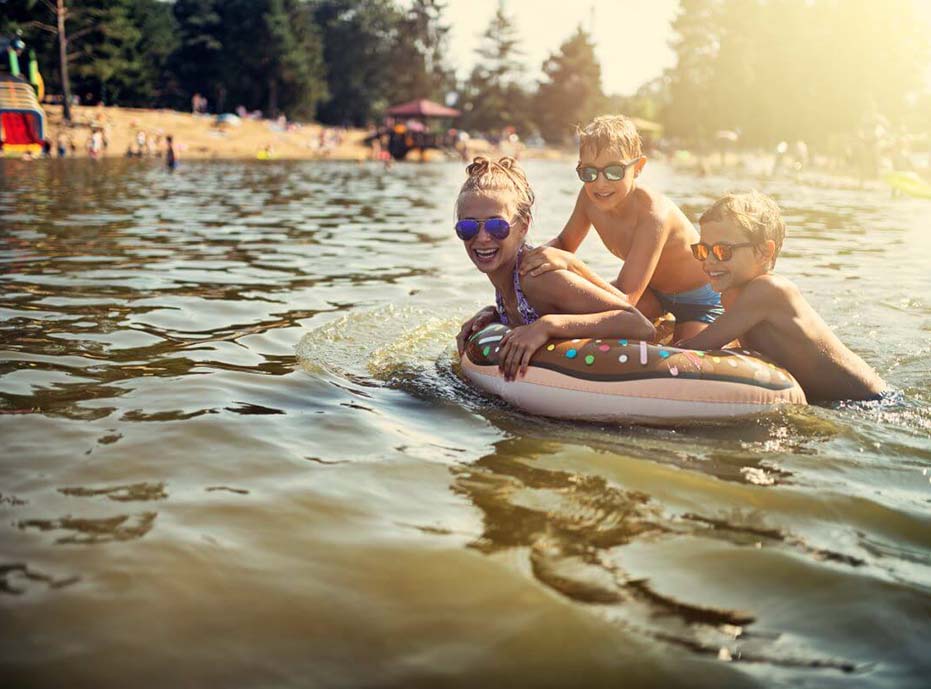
[769, 69]
[339, 61]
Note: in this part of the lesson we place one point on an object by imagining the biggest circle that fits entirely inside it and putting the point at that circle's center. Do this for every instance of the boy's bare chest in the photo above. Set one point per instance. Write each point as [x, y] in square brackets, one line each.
[617, 234]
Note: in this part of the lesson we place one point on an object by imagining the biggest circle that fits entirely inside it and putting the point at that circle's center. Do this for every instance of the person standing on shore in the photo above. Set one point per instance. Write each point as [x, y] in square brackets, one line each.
[171, 160]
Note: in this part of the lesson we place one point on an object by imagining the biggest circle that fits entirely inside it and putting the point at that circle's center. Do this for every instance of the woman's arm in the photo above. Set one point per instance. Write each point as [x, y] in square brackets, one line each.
[520, 344]
[571, 307]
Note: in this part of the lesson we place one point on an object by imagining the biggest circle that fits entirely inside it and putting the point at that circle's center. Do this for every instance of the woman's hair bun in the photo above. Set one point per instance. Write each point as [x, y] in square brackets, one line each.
[507, 162]
[478, 166]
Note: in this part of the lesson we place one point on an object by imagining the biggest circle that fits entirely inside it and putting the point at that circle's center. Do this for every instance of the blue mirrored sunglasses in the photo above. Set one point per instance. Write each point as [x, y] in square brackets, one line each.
[467, 228]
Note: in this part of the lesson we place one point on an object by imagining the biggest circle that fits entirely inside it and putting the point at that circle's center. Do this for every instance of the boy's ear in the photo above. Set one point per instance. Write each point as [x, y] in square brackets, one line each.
[639, 165]
[768, 251]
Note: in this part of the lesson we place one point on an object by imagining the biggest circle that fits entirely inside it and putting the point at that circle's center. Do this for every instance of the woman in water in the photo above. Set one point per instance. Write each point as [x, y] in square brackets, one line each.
[493, 214]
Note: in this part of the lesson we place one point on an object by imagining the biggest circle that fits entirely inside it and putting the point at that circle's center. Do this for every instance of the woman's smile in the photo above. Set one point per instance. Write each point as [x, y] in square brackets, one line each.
[485, 254]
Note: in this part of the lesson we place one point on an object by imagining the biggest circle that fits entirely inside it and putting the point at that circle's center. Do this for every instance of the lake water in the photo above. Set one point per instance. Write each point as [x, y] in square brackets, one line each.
[236, 452]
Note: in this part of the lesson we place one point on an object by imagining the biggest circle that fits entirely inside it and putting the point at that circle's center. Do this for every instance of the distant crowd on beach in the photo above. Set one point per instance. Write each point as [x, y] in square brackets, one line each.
[92, 138]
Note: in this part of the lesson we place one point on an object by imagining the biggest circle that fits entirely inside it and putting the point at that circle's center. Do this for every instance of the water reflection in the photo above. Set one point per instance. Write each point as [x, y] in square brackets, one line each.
[364, 498]
[82, 531]
[574, 528]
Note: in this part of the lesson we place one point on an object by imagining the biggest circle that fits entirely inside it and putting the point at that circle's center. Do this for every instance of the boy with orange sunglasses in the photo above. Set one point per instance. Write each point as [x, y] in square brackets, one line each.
[741, 235]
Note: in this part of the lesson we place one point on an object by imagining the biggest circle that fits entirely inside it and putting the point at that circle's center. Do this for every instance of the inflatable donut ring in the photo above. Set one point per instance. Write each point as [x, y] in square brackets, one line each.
[620, 380]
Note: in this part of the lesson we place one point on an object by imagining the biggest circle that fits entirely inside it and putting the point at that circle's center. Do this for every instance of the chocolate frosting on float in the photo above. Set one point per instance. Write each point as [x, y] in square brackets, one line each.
[617, 360]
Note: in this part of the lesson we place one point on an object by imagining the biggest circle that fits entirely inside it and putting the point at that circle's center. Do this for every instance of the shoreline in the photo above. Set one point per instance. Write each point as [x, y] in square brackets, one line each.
[200, 137]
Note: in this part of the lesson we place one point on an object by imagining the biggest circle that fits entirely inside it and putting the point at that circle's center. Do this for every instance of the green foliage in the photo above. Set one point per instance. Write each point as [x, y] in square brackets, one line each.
[419, 59]
[815, 70]
[690, 111]
[17, 18]
[272, 57]
[378, 54]
[571, 91]
[360, 40]
[493, 96]
[158, 41]
[262, 54]
[199, 62]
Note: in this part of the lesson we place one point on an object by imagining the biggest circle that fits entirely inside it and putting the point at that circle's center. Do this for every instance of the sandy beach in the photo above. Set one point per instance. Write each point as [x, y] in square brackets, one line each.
[201, 137]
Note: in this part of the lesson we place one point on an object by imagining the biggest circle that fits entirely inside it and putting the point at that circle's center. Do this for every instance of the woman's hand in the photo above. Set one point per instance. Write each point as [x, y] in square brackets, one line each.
[544, 259]
[487, 315]
[519, 345]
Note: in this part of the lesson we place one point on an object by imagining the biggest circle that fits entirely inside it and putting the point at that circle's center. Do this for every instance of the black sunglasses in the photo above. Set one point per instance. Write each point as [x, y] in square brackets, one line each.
[721, 250]
[499, 228]
[613, 172]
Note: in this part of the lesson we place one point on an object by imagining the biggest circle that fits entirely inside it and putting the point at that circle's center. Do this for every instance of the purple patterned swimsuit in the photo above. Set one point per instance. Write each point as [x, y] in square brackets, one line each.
[528, 314]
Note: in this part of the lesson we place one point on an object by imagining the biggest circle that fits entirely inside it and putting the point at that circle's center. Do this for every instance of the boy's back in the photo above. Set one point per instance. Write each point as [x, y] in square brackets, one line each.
[793, 334]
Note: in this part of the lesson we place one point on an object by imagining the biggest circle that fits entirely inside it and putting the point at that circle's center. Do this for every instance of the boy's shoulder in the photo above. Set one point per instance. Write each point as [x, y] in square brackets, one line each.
[650, 201]
[776, 283]
[771, 289]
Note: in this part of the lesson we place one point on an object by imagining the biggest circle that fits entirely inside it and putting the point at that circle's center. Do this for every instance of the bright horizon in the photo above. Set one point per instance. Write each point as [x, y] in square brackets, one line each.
[631, 36]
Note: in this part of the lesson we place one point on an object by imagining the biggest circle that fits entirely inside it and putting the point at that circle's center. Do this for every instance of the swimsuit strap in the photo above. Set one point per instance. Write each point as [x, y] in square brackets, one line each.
[527, 313]
[502, 313]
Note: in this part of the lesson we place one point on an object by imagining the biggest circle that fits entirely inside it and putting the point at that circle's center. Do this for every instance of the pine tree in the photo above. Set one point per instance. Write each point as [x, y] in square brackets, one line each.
[419, 61]
[493, 96]
[200, 61]
[360, 38]
[107, 61]
[570, 94]
[159, 40]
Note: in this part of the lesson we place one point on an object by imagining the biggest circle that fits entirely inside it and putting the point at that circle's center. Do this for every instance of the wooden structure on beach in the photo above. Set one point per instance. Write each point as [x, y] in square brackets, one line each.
[400, 137]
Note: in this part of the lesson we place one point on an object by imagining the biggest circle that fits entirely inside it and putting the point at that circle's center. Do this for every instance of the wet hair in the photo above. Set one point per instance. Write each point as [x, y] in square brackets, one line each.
[611, 132]
[754, 213]
[504, 175]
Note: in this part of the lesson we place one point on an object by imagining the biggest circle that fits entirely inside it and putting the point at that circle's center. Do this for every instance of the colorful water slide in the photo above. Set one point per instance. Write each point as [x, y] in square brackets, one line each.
[22, 120]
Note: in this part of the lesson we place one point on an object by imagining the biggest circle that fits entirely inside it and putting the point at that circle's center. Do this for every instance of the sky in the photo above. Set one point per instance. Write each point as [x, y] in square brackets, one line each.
[631, 36]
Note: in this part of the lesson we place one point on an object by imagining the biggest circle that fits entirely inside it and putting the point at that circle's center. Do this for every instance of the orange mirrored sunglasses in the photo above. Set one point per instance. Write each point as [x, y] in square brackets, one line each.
[721, 250]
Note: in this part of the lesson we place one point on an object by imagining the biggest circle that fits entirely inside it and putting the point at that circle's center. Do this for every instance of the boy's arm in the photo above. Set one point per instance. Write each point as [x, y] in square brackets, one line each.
[576, 227]
[642, 259]
[753, 306]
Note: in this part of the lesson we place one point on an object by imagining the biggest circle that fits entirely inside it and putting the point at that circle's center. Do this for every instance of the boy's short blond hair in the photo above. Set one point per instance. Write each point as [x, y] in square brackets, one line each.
[755, 213]
[611, 132]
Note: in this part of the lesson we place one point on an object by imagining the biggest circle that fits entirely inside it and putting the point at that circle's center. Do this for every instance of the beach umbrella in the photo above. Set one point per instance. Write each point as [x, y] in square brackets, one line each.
[421, 108]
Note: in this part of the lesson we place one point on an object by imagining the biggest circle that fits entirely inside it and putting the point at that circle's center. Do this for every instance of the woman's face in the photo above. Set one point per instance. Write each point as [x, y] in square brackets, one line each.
[486, 251]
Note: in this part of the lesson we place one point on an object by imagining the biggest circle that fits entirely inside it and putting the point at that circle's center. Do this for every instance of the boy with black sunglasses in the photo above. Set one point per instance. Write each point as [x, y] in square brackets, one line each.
[641, 227]
[741, 235]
